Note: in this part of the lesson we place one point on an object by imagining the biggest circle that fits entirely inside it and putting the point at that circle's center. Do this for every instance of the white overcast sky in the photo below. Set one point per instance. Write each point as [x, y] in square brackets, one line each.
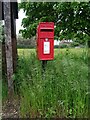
[21, 15]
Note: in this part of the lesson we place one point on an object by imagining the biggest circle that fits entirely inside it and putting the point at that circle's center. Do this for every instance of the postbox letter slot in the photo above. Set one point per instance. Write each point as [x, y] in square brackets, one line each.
[46, 30]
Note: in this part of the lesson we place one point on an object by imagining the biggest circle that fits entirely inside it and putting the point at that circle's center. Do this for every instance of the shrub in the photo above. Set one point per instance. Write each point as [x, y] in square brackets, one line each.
[74, 44]
[56, 46]
[63, 46]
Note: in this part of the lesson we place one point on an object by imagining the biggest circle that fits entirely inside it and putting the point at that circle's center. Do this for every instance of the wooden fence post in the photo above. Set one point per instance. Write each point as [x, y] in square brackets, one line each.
[14, 41]
[8, 46]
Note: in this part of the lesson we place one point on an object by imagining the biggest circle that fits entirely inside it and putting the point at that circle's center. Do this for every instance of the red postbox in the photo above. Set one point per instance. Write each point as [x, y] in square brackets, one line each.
[45, 41]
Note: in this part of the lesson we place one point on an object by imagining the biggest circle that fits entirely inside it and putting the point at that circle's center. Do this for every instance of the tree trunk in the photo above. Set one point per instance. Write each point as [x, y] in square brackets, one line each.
[8, 47]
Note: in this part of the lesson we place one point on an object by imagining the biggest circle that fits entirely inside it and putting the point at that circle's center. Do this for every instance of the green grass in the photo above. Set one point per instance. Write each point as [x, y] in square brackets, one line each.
[60, 91]
[4, 91]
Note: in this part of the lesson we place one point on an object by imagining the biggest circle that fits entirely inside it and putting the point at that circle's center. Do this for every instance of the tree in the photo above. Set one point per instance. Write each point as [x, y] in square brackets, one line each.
[71, 19]
[75, 18]
[36, 12]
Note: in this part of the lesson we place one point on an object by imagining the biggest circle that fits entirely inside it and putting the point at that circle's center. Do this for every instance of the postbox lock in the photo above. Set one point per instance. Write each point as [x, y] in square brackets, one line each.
[46, 39]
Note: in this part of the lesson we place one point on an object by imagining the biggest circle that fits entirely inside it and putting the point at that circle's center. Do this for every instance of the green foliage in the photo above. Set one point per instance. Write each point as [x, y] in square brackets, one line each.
[60, 91]
[71, 18]
[63, 46]
[26, 43]
[56, 46]
[4, 90]
[74, 44]
[24, 46]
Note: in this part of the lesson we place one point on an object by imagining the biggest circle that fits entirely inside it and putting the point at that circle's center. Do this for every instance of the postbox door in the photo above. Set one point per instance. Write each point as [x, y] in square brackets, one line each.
[47, 49]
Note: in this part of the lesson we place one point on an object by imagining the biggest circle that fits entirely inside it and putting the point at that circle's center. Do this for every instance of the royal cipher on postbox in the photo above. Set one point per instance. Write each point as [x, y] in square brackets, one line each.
[45, 41]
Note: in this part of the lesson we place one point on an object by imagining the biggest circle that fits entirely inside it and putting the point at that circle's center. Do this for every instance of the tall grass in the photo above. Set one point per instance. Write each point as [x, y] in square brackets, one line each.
[4, 90]
[60, 91]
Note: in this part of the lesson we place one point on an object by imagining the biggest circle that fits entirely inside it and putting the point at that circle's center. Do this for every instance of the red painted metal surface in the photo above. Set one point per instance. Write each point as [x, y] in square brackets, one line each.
[45, 41]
